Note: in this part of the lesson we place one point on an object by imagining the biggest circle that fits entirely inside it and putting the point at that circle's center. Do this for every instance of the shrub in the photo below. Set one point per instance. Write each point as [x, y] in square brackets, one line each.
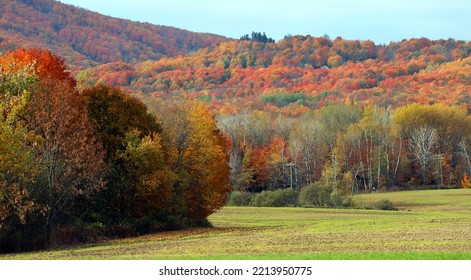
[340, 199]
[261, 199]
[320, 194]
[80, 232]
[315, 194]
[121, 230]
[21, 237]
[240, 198]
[278, 198]
[385, 204]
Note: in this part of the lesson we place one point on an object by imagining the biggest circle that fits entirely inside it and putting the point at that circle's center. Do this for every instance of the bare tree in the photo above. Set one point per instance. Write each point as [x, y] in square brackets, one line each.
[235, 126]
[421, 144]
[308, 146]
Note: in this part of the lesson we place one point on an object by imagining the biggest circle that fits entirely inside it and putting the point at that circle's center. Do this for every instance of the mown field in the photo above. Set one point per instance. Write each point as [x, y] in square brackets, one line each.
[433, 224]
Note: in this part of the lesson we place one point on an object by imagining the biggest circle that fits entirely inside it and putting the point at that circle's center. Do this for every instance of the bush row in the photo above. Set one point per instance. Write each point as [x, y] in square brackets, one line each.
[314, 195]
[277, 198]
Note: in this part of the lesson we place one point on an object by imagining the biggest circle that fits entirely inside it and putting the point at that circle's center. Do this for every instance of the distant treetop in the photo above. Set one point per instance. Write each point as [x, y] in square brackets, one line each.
[257, 37]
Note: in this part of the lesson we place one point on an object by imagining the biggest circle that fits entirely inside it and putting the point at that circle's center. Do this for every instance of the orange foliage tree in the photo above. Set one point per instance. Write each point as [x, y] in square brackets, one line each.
[41, 62]
[465, 183]
[198, 157]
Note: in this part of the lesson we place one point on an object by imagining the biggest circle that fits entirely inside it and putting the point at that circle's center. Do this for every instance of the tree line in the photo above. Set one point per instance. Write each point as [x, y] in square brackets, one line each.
[370, 148]
[257, 37]
[78, 166]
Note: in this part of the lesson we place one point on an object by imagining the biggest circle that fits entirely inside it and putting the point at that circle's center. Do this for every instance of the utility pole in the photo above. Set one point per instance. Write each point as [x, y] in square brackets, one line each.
[440, 159]
[290, 165]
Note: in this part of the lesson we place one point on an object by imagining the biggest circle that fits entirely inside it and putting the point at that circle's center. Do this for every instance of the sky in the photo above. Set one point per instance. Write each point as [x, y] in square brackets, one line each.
[377, 20]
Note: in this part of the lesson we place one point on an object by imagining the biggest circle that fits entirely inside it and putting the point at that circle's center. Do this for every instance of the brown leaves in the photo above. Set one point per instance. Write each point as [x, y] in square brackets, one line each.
[72, 156]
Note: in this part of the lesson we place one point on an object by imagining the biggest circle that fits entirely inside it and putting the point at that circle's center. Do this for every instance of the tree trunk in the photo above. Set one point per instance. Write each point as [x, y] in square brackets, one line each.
[396, 168]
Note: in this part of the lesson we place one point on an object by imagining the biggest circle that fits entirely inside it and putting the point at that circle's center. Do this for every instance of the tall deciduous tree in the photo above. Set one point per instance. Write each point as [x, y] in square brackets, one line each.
[18, 168]
[198, 157]
[114, 113]
[71, 156]
[17, 172]
[149, 177]
[134, 152]
[451, 125]
[421, 145]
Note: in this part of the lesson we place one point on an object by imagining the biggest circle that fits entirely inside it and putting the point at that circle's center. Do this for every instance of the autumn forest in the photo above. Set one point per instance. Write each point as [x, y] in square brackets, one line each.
[99, 143]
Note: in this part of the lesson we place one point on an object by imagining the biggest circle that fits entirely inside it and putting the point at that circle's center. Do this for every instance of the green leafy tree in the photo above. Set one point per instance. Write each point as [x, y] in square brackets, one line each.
[133, 147]
[18, 168]
[149, 177]
[17, 173]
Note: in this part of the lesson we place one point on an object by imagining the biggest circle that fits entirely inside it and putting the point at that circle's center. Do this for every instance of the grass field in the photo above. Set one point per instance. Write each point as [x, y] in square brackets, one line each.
[433, 224]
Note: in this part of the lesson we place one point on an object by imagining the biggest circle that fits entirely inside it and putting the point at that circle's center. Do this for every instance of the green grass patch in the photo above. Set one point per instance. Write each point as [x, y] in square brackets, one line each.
[456, 200]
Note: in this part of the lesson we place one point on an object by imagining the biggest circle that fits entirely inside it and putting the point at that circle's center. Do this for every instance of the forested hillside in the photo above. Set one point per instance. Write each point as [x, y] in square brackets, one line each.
[84, 38]
[319, 70]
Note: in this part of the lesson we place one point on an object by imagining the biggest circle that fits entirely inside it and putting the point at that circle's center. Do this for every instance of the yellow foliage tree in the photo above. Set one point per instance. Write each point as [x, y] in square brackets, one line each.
[197, 156]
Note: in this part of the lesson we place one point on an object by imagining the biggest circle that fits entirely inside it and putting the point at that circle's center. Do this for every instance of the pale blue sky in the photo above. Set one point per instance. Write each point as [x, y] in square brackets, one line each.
[380, 21]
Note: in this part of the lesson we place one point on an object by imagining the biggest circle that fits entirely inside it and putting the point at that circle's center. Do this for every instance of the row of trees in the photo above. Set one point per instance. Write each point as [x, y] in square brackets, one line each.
[75, 166]
[257, 37]
[377, 148]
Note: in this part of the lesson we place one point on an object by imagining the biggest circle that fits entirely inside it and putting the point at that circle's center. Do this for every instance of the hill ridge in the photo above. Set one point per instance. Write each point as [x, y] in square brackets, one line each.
[85, 38]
